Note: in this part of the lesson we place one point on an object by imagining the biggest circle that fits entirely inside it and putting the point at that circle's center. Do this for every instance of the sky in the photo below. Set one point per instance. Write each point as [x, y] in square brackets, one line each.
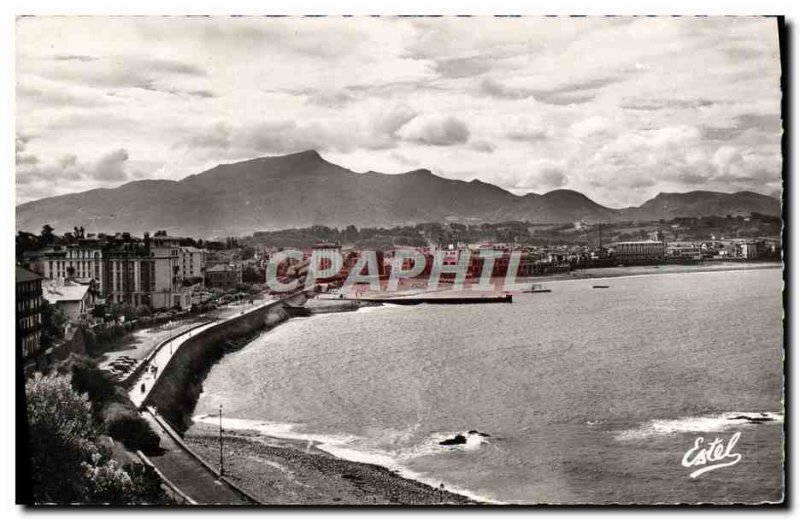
[618, 108]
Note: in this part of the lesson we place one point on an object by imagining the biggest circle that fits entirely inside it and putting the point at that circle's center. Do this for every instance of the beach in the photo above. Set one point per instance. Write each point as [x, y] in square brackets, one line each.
[292, 472]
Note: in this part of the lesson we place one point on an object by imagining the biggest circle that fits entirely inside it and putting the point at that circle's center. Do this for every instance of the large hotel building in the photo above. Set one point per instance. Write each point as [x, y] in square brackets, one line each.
[125, 269]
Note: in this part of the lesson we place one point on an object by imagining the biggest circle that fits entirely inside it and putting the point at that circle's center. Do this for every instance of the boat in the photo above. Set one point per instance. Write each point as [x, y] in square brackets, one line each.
[600, 286]
[537, 288]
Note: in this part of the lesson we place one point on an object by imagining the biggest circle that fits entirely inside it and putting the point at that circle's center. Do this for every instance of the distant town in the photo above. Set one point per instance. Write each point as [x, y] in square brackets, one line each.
[80, 281]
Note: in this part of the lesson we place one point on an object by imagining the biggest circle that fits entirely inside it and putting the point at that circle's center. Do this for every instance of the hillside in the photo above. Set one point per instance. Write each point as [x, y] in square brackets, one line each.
[303, 189]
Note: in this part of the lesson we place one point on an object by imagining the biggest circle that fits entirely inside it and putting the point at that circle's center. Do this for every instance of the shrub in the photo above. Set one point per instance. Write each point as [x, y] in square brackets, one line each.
[88, 378]
[127, 426]
[59, 428]
[67, 466]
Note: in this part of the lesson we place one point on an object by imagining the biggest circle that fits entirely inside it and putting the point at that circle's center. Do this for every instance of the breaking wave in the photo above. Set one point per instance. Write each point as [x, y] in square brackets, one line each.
[704, 423]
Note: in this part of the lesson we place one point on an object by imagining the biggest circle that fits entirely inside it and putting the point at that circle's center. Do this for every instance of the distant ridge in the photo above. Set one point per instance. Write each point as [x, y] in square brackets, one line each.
[303, 189]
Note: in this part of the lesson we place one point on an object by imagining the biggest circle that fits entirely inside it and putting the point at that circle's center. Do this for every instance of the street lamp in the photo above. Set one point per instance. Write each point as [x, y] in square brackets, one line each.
[220, 441]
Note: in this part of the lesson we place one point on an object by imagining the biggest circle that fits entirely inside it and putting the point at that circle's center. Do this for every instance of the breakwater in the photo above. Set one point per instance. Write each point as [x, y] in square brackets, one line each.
[440, 300]
[174, 395]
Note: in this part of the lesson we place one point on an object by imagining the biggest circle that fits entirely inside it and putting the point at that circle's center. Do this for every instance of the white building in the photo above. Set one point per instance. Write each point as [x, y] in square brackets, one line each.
[125, 269]
[75, 300]
[193, 263]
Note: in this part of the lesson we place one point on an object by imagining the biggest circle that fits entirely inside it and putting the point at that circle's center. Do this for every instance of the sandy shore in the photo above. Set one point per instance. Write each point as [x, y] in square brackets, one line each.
[284, 472]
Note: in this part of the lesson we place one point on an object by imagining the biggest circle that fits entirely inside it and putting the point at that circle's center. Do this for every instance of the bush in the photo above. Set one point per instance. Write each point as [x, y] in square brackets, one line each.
[88, 378]
[143, 311]
[59, 428]
[67, 466]
[110, 404]
[127, 426]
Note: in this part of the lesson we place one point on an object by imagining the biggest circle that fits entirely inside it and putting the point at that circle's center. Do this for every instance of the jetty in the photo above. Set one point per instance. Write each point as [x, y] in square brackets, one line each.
[436, 300]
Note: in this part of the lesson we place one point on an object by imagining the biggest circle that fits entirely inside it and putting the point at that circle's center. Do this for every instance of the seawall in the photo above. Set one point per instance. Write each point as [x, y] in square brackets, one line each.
[175, 393]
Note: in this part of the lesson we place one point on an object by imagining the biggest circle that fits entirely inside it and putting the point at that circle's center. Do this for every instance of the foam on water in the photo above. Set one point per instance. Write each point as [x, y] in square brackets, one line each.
[373, 308]
[273, 429]
[705, 423]
[340, 446]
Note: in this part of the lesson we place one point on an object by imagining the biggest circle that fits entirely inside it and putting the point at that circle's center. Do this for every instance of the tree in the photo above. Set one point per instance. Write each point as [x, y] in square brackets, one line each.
[46, 236]
[53, 322]
[26, 242]
[115, 310]
[252, 275]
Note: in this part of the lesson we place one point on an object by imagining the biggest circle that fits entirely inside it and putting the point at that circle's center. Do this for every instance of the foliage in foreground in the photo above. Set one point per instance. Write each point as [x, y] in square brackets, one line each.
[67, 463]
[110, 404]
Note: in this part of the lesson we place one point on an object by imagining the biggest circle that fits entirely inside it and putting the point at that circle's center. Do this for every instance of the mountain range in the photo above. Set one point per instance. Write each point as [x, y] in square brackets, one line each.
[303, 189]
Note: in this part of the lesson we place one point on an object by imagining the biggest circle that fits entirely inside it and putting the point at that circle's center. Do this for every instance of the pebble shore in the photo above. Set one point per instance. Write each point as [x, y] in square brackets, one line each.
[287, 472]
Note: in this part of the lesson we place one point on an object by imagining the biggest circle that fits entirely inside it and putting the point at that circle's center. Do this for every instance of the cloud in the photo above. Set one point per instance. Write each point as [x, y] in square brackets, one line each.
[463, 67]
[496, 89]
[527, 129]
[482, 146]
[389, 122]
[590, 127]
[224, 141]
[42, 92]
[577, 92]
[623, 107]
[112, 71]
[654, 104]
[20, 143]
[552, 177]
[110, 167]
[67, 170]
[435, 130]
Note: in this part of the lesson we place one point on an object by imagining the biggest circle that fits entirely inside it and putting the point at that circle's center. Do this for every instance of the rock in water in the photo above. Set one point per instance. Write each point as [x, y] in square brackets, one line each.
[458, 439]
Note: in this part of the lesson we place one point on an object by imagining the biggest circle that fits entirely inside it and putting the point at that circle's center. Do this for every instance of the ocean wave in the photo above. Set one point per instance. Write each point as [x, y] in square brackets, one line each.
[396, 465]
[341, 446]
[373, 308]
[703, 423]
[286, 431]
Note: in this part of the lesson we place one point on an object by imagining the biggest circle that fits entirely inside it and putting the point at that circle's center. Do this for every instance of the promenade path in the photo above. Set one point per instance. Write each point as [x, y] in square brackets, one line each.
[161, 354]
[140, 343]
[188, 475]
[175, 462]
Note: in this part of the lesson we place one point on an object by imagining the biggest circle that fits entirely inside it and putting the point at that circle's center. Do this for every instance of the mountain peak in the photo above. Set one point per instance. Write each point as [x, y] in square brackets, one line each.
[311, 155]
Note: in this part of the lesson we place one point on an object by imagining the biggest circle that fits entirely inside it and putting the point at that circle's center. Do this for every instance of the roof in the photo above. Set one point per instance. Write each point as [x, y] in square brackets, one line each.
[220, 268]
[64, 293]
[23, 275]
[191, 249]
[630, 242]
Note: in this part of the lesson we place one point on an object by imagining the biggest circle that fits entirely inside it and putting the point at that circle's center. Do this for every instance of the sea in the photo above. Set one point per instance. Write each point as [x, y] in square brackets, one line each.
[578, 396]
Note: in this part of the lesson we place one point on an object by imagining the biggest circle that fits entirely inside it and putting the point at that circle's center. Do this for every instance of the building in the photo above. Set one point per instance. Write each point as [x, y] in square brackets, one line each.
[748, 250]
[684, 250]
[224, 276]
[639, 251]
[76, 301]
[83, 260]
[125, 269]
[28, 316]
[193, 264]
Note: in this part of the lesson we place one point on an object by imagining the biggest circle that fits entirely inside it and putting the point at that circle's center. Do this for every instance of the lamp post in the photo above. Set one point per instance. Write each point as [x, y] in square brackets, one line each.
[220, 441]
